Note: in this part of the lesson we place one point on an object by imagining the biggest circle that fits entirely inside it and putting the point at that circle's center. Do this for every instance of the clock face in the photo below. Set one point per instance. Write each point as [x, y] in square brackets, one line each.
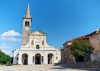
[27, 28]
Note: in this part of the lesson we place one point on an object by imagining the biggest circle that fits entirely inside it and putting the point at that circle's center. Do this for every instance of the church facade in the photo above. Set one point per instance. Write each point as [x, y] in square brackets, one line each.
[34, 48]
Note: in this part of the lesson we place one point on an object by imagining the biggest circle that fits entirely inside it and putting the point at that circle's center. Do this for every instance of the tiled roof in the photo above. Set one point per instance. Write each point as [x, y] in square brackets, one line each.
[85, 36]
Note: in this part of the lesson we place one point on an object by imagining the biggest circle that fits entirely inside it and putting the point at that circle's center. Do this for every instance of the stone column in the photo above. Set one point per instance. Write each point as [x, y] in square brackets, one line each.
[33, 60]
[20, 59]
[52, 59]
[41, 60]
[14, 58]
[30, 59]
[45, 59]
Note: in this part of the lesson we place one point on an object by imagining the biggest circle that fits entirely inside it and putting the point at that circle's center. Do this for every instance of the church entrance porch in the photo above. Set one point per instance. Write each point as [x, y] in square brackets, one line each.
[38, 58]
[25, 59]
[50, 58]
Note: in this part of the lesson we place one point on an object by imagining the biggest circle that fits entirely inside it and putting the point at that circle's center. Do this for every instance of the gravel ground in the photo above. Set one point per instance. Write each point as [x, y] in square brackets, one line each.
[37, 68]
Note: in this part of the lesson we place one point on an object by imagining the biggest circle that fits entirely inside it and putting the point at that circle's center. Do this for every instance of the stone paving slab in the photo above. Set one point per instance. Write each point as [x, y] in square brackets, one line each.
[37, 68]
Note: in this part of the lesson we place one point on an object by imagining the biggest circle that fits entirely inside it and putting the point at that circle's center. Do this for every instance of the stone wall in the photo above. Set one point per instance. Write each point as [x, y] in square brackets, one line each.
[95, 65]
[66, 56]
[95, 43]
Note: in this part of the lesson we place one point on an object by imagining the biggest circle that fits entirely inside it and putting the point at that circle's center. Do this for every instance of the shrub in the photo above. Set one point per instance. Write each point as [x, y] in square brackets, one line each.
[8, 63]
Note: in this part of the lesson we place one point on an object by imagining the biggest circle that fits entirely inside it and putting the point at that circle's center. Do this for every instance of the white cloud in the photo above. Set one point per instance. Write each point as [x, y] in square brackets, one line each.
[3, 46]
[10, 38]
[6, 51]
[10, 33]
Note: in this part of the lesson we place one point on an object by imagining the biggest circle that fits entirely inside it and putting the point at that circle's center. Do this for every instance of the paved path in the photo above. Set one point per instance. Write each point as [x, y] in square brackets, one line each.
[36, 68]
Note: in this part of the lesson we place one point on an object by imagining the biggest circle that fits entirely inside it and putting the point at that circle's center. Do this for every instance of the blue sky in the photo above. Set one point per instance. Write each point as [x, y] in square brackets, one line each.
[62, 20]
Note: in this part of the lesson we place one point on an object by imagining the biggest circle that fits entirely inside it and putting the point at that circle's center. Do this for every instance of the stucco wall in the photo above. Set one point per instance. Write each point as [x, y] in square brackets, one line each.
[43, 53]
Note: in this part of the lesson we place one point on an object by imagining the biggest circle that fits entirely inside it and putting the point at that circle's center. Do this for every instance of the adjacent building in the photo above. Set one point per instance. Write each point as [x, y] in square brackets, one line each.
[94, 40]
[34, 49]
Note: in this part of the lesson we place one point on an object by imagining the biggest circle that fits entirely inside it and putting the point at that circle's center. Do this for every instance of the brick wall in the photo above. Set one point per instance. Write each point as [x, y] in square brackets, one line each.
[95, 42]
[66, 56]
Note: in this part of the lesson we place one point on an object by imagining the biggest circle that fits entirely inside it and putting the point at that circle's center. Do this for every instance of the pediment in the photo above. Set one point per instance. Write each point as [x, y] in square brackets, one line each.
[38, 33]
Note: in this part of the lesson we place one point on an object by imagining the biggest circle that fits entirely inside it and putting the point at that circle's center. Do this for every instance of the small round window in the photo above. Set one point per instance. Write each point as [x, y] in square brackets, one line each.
[37, 46]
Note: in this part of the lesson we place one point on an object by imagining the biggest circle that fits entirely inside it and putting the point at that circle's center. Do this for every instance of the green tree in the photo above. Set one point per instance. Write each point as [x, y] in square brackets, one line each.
[8, 58]
[4, 59]
[79, 48]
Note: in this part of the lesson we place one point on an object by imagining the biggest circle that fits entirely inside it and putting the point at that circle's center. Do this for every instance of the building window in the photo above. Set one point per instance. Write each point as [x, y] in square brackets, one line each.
[42, 42]
[17, 58]
[37, 46]
[33, 59]
[32, 42]
[26, 23]
[56, 58]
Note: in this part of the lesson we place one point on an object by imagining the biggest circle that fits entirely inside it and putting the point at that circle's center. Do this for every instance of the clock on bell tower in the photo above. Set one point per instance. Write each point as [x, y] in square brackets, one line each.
[27, 20]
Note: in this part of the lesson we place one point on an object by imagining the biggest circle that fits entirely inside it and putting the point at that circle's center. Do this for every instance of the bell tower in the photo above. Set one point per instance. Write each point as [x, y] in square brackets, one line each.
[27, 20]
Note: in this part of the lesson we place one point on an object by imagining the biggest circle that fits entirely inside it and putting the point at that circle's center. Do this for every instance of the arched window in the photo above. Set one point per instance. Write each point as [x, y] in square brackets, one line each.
[42, 42]
[32, 42]
[26, 23]
[37, 46]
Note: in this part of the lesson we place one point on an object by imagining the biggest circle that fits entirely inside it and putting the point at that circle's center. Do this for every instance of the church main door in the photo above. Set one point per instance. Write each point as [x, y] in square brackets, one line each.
[25, 62]
[25, 59]
[38, 58]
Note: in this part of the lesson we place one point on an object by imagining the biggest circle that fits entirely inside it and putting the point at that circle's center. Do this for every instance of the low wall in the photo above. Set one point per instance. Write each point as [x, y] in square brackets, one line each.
[85, 65]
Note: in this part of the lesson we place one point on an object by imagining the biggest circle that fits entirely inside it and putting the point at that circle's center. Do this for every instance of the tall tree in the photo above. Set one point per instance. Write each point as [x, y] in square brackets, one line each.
[79, 48]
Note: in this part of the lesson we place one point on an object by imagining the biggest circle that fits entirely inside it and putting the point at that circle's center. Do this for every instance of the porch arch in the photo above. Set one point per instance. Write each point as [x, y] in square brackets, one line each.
[25, 59]
[50, 58]
[37, 58]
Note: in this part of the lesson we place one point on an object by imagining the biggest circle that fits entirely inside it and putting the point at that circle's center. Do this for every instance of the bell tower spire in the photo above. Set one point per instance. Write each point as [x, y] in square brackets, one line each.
[27, 21]
[28, 12]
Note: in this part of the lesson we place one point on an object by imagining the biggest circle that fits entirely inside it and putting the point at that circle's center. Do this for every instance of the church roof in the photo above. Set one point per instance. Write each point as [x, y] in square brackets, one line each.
[38, 33]
[28, 12]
